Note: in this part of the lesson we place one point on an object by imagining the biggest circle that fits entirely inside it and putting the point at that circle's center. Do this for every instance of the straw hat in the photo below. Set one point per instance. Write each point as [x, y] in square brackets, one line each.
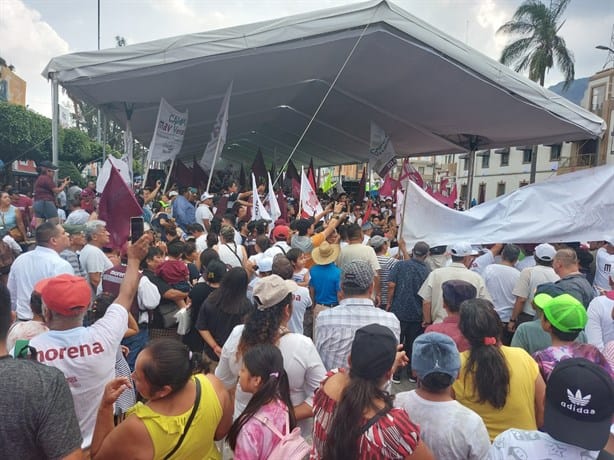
[325, 253]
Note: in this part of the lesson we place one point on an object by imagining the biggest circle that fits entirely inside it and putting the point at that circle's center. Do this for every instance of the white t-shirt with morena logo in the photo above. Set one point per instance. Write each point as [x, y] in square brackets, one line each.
[86, 356]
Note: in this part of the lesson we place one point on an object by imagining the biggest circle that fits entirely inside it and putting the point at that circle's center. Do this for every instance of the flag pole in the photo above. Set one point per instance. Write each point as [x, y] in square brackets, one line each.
[300, 198]
[217, 147]
[168, 178]
[400, 234]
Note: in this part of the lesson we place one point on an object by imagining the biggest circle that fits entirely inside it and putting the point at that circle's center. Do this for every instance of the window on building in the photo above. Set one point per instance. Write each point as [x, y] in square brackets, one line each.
[555, 152]
[466, 164]
[597, 99]
[486, 161]
[526, 156]
[421, 170]
[463, 192]
[501, 188]
[523, 183]
[505, 158]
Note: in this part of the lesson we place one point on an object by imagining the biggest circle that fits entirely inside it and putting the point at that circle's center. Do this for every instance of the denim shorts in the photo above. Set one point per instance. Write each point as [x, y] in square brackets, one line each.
[45, 209]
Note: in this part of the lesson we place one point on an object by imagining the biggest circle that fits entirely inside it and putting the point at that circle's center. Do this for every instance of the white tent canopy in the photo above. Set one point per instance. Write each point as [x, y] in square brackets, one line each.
[428, 91]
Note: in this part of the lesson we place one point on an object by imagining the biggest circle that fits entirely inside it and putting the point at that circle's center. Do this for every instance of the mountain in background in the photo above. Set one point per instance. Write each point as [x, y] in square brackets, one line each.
[574, 93]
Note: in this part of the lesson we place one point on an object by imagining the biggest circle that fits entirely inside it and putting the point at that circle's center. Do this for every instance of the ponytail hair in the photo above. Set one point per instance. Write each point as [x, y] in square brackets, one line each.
[346, 427]
[264, 361]
[482, 327]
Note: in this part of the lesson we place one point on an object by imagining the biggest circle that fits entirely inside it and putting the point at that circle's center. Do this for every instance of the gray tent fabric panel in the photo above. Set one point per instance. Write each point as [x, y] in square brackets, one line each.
[429, 91]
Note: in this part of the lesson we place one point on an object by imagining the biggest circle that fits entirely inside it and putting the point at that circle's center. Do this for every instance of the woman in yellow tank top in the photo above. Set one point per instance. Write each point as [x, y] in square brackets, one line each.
[163, 376]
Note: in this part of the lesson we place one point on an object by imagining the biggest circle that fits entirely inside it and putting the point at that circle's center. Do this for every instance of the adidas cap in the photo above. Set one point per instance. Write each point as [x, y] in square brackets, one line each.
[579, 404]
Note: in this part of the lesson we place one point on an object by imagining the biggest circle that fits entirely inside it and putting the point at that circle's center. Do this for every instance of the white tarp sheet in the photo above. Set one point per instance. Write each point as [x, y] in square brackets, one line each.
[571, 207]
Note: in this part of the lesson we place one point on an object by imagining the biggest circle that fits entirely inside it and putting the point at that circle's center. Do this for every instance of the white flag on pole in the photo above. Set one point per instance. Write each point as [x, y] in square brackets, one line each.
[275, 212]
[400, 205]
[381, 152]
[310, 205]
[128, 149]
[218, 135]
[168, 136]
[258, 211]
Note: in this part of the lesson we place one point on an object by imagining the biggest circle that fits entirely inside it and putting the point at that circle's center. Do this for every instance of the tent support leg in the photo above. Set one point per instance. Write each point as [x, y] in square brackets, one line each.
[55, 117]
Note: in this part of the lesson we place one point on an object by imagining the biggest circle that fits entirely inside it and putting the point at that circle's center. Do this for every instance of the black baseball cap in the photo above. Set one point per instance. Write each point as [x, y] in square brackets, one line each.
[579, 404]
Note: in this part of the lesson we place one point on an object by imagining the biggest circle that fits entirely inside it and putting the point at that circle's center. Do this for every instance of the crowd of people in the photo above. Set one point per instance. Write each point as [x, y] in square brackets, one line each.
[218, 336]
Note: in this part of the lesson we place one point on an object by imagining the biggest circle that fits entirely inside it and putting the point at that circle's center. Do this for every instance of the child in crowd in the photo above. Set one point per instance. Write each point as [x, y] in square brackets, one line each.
[301, 273]
[450, 429]
[251, 436]
[174, 270]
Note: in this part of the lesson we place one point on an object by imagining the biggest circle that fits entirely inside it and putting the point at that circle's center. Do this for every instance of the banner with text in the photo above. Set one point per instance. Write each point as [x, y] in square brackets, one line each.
[168, 137]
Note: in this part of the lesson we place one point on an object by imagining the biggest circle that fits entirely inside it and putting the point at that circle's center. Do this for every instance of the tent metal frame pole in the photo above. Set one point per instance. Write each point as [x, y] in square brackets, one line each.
[470, 178]
[55, 118]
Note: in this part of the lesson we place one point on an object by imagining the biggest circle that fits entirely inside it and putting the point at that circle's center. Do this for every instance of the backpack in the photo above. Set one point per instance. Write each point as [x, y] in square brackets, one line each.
[292, 446]
[7, 257]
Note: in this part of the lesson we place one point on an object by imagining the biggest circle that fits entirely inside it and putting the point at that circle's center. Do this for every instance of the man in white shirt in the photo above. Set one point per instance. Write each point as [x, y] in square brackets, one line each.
[604, 259]
[280, 236]
[93, 261]
[600, 326]
[432, 295]
[451, 430]
[33, 266]
[203, 213]
[528, 281]
[335, 327]
[86, 355]
[500, 280]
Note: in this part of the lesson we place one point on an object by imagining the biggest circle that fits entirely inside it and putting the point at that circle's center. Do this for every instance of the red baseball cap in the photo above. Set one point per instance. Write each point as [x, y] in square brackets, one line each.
[281, 232]
[68, 295]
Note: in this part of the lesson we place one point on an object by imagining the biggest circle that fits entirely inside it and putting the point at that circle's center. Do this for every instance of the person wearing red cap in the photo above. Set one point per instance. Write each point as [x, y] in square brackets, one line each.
[280, 235]
[86, 355]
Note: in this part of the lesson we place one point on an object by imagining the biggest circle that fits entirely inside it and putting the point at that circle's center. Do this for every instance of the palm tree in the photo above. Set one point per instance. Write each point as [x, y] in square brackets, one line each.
[539, 46]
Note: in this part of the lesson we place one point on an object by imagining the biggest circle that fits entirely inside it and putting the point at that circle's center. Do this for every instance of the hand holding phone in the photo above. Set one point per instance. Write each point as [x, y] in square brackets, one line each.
[137, 228]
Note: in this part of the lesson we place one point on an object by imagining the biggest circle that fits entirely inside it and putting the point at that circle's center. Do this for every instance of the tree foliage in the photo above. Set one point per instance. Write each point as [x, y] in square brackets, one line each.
[540, 47]
[23, 134]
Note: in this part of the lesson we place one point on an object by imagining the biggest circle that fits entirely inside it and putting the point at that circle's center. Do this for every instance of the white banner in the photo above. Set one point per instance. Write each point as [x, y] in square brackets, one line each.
[258, 211]
[218, 134]
[168, 136]
[577, 206]
[310, 205]
[274, 210]
[381, 151]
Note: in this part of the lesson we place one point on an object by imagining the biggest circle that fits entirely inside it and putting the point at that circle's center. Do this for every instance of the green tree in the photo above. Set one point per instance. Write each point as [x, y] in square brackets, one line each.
[76, 148]
[24, 135]
[539, 46]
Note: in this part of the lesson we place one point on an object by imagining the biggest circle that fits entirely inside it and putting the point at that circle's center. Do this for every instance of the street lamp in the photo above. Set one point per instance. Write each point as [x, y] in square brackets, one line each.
[604, 48]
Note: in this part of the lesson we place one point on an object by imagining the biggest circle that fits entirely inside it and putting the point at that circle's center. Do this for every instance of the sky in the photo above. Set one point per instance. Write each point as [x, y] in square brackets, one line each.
[34, 31]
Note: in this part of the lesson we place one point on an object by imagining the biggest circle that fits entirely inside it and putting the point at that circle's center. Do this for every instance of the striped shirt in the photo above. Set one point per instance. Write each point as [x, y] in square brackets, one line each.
[386, 263]
[335, 328]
